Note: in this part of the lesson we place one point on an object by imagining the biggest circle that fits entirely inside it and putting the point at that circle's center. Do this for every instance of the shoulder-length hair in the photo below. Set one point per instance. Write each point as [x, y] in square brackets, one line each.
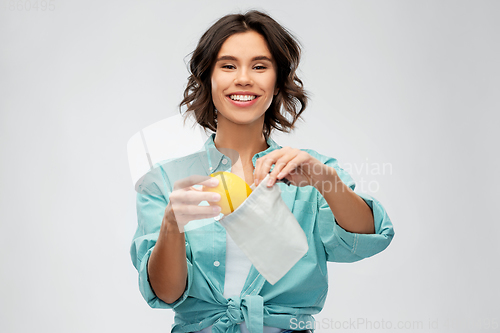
[284, 48]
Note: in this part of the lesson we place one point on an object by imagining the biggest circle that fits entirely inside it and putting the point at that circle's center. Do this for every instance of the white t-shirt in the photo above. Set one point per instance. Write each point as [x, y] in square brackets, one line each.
[237, 268]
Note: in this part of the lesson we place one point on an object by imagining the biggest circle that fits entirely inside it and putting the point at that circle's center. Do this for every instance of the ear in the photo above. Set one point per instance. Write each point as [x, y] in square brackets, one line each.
[276, 91]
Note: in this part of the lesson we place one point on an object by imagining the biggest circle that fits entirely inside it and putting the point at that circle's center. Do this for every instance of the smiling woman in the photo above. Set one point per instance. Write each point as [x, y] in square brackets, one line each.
[243, 82]
[243, 86]
[225, 48]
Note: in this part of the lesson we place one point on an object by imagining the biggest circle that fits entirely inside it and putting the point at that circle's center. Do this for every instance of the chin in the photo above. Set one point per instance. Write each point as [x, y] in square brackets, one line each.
[244, 119]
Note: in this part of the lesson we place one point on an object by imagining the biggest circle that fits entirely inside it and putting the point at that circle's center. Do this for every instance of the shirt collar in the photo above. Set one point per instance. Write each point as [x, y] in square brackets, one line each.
[214, 157]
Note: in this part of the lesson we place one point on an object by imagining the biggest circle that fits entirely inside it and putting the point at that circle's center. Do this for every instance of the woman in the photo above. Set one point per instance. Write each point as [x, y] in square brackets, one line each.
[243, 73]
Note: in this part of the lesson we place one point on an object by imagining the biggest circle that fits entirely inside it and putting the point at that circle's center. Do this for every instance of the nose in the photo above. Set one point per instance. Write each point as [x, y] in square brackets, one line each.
[243, 78]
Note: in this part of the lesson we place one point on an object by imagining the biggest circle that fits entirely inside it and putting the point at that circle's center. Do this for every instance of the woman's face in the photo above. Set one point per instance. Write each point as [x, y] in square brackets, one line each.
[243, 78]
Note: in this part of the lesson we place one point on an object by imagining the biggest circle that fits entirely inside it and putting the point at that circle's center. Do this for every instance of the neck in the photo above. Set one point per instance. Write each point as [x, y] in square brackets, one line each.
[245, 140]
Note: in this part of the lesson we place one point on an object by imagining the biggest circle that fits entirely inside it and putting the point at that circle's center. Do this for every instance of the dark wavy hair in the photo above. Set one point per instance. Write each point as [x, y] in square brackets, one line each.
[285, 50]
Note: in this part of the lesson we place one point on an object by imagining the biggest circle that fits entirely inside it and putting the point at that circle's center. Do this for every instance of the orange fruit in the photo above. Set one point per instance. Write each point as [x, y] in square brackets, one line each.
[232, 189]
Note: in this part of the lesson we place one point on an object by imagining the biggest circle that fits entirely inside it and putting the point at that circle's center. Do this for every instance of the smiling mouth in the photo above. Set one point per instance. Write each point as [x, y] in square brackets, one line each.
[242, 98]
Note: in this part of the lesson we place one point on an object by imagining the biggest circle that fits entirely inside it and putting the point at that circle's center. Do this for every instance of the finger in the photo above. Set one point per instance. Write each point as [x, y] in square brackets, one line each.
[264, 164]
[303, 171]
[193, 196]
[212, 182]
[291, 167]
[194, 180]
[256, 173]
[286, 170]
[278, 166]
[185, 213]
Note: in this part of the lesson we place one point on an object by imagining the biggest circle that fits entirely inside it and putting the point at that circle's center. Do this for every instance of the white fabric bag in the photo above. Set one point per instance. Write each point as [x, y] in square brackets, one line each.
[267, 232]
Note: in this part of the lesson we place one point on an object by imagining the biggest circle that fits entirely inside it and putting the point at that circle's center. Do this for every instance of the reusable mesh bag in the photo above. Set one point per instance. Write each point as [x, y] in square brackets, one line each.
[267, 232]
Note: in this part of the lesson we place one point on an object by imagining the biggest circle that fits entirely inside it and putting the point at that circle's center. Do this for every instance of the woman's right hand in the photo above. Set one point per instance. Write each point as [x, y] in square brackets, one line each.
[184, 200]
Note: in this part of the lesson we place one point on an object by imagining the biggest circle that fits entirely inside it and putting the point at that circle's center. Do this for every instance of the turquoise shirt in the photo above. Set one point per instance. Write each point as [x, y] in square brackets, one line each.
[296, 297]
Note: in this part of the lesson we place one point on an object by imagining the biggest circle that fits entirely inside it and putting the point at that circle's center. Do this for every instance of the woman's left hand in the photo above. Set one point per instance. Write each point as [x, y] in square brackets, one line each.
[300, 168]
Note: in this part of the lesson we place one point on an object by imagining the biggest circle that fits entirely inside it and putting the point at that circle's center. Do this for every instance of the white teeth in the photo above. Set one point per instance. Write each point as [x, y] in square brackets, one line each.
[242, 97]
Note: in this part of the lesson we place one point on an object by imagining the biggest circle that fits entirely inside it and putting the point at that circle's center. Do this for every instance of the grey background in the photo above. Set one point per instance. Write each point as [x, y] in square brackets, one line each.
[410, 84]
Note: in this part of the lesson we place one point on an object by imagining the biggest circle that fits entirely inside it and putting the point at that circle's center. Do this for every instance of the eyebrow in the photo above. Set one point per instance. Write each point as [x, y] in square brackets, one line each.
[228, 57]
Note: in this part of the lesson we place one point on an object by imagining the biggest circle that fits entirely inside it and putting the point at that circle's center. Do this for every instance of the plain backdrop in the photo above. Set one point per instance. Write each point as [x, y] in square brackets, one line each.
[403, 93]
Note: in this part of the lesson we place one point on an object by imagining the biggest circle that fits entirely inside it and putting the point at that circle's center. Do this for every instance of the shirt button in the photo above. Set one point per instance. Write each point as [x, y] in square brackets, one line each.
[210, 168]
[216, 263]
[224, 161]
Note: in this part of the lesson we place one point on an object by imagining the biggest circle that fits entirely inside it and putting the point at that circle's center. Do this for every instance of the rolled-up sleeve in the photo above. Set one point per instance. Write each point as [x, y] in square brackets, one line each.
[344, 246]
[151, 204]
